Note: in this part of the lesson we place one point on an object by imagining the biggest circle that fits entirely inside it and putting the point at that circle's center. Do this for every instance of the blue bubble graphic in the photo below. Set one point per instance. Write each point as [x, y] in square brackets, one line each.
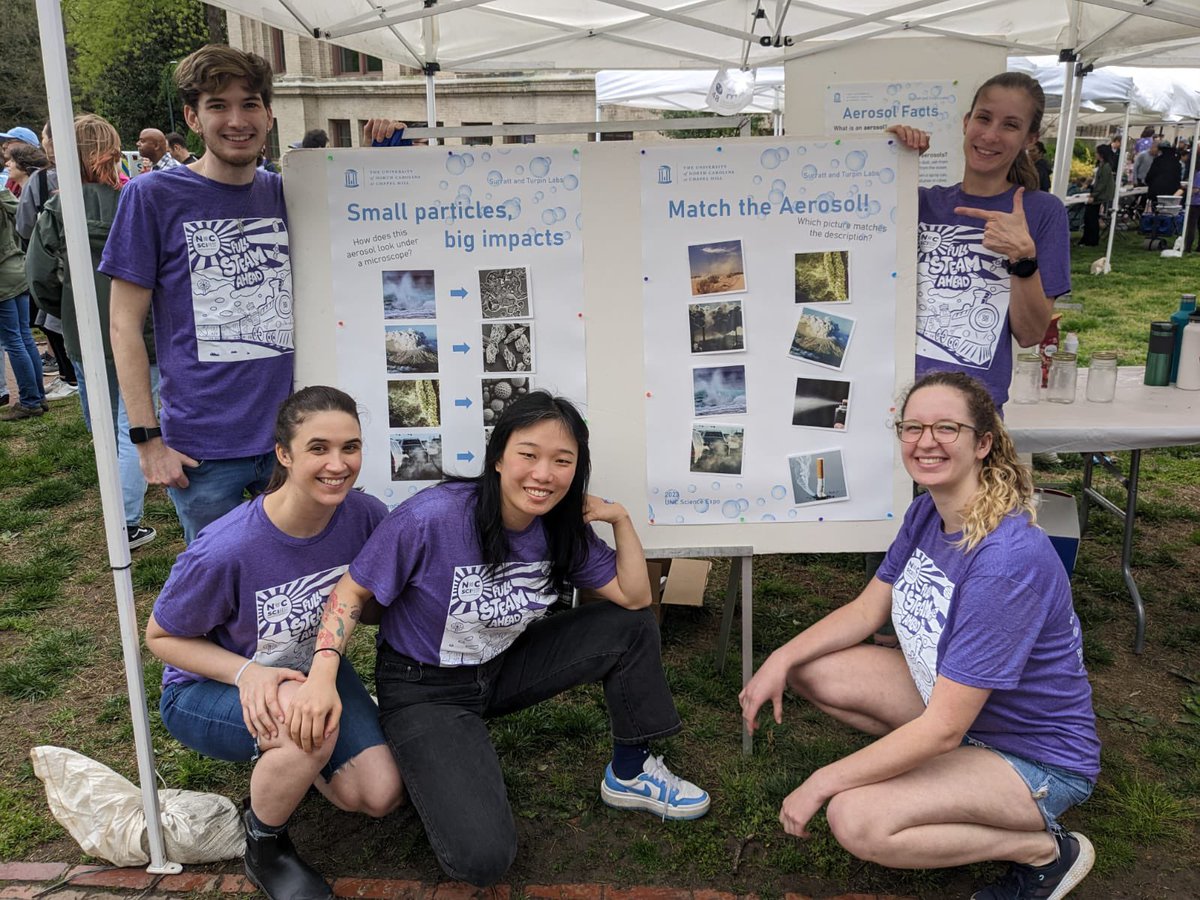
[443, 185]
[835, 164]
[679, 520]
[770, 158]
[809, 172]
[494, 177]
[487, 196]
[738, 486]
[893, 90]
[570, 182]
[455, 164]
[691, 489]
[389, 493]
[539, 166]
[791, 514]
[887, 176]
[730, 509]
[768, 518]
[469, 159]
[892, 215]
[779, 492]
[779, 185]
[935, 91]
[757, 179]
[548, 216]
[412, 490]
[701, 505]
[520, 170]
[776, 197]
[855, 160]
[512, 208]
[875, 207]
[579, 220]
[485, 156]
[761, 501]
[801, 150]
[654, 490]
[743, 504]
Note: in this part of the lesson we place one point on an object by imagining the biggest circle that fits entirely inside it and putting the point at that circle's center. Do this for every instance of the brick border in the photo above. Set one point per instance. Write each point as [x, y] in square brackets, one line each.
[23, 880]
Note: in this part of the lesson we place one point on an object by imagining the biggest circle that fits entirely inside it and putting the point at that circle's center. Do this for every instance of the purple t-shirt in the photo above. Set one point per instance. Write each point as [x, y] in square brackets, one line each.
[999, 617]
[256, 591]
[441, 605]
[216, 257]
[963, 289]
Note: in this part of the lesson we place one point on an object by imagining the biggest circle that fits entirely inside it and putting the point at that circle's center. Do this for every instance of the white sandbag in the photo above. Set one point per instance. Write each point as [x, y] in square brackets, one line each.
[103, 812]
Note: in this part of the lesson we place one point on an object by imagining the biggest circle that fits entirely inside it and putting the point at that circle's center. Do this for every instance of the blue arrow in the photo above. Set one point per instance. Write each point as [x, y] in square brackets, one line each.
[460, 293]
[466, 457]
[463, 401]
[461, 348]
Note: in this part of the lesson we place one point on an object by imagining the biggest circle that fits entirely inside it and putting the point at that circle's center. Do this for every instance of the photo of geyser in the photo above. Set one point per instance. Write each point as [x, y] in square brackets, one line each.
[409, 294]
[821, 403]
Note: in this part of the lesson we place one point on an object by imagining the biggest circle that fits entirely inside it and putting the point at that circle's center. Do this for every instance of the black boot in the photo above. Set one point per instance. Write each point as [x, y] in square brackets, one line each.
[278, 871]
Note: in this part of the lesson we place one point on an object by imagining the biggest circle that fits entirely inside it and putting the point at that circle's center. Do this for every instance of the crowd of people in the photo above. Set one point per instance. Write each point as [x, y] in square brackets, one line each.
[985, 735]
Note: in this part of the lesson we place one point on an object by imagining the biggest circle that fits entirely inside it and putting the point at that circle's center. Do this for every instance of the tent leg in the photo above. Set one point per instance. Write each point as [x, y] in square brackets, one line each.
[1112, 213]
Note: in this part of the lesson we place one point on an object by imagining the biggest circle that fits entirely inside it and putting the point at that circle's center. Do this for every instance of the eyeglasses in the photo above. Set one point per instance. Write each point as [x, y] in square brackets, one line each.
[944, 432]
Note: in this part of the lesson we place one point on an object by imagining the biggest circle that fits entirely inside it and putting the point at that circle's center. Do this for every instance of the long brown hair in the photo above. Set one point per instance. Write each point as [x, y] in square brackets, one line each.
[99, 150]
[1022, 172]
[1005, 485]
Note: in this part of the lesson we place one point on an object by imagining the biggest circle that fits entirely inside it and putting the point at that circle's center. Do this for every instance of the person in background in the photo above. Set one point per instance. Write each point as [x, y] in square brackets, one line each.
[1193, 214]
[18, 135]
[983, 723]
[1146, 141]
[178, 148]
[315, 138]
[1165, 175]
[1101, 199]
[16, 338]
[1037, 153]
[48, 270]
[40, 187]
[236, 623]
[24, 161]
[152, 146]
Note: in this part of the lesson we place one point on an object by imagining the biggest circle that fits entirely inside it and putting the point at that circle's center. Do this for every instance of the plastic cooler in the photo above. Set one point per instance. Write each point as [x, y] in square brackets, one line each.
[1058, 516]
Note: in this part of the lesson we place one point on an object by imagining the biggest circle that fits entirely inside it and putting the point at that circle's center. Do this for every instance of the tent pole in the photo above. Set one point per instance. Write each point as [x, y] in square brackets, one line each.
[1191, 181]
[597, 119]
[431, 105]
[1066, 131]
[1112, 213]
[70, 187]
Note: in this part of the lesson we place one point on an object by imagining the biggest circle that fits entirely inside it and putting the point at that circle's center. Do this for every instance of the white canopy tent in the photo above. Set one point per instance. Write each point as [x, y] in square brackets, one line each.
[489, 35]
[682, 89]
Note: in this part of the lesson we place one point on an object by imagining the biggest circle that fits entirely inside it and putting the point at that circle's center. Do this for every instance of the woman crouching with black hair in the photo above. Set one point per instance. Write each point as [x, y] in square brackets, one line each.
[465, 572]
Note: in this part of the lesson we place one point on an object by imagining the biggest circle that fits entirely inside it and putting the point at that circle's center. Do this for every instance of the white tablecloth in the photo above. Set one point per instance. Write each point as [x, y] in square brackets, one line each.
[1140, 418]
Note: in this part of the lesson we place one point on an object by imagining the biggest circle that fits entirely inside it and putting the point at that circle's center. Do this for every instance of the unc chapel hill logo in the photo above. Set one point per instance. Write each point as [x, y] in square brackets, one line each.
[352, 178]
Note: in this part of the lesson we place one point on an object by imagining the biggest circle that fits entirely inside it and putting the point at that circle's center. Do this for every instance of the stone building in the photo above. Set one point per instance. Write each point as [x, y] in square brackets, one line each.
[322, 85]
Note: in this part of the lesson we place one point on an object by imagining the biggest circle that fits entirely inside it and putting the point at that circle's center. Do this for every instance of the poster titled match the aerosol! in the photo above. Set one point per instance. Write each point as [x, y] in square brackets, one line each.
[457, 276]
[769, 302]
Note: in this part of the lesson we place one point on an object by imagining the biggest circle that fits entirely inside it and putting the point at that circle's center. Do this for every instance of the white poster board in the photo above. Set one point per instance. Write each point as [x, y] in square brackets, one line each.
[770, 318]
[933, 106]
[340, 326]
[457, 281]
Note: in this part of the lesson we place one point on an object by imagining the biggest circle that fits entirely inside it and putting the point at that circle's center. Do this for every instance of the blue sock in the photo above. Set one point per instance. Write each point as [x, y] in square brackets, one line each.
[627, 761]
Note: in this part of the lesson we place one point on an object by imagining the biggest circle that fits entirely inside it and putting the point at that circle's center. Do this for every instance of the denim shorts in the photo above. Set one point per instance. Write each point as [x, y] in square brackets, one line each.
[207, 717]
[1054, 789]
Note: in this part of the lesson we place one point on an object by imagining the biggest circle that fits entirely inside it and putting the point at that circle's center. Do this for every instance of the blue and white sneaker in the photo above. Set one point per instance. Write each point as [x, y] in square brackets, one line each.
[656, 790]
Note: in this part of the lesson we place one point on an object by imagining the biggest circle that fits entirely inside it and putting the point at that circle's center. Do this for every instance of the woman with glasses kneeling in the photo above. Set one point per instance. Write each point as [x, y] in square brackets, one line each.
[984, 719]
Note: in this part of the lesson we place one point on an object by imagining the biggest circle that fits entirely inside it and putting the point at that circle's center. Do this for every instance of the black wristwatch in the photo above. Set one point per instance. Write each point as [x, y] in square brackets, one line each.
[1023, 267]
[139, 435]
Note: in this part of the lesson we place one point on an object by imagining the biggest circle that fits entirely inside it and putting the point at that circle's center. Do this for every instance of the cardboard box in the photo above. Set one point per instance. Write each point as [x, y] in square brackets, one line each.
[673, 582]
[1058, 515]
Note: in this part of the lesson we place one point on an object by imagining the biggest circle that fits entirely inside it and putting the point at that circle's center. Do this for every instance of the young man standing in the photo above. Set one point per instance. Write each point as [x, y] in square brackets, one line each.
[205, 247]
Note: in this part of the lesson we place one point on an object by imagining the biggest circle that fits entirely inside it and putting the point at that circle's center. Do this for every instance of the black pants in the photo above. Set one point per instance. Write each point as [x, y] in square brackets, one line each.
[1091, 225]
[433, 718]
[58, 349]
[1189, 228]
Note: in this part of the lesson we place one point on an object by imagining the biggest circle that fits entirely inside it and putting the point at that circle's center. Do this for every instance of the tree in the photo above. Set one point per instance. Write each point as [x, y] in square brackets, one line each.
[123, 58]
[23, 99]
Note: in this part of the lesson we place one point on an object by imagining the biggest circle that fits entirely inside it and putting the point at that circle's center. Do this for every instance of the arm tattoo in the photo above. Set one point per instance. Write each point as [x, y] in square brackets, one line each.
[332, 632]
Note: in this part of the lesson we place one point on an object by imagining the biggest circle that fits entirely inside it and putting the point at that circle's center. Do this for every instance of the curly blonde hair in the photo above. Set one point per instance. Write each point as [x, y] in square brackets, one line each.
[1005, 485]
[99, 150]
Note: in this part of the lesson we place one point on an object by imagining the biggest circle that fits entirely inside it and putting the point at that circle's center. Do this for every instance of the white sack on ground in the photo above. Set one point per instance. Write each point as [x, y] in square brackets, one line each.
[103, 812]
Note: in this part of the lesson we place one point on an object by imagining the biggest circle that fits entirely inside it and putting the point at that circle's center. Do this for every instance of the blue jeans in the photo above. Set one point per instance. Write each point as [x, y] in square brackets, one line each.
[207, 717]
[16, 339]
[216, 486]
[133, 483]
[434, 716]
[1053, 788]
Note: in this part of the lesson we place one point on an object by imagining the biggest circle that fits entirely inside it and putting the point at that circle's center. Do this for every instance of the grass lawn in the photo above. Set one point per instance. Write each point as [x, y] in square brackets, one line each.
[61, 682]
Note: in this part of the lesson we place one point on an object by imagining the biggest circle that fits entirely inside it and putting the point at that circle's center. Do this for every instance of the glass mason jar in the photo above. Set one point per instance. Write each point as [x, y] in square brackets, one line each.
[1102, 377]
[1061, 385]
[1027, 379]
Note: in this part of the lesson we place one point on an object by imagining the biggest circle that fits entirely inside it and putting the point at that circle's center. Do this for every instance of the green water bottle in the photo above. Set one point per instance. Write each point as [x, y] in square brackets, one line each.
[1187, 305]
[1161, 353]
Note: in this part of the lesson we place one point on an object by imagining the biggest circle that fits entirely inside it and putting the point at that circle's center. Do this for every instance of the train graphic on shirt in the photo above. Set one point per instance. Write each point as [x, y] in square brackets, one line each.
[241, 288]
